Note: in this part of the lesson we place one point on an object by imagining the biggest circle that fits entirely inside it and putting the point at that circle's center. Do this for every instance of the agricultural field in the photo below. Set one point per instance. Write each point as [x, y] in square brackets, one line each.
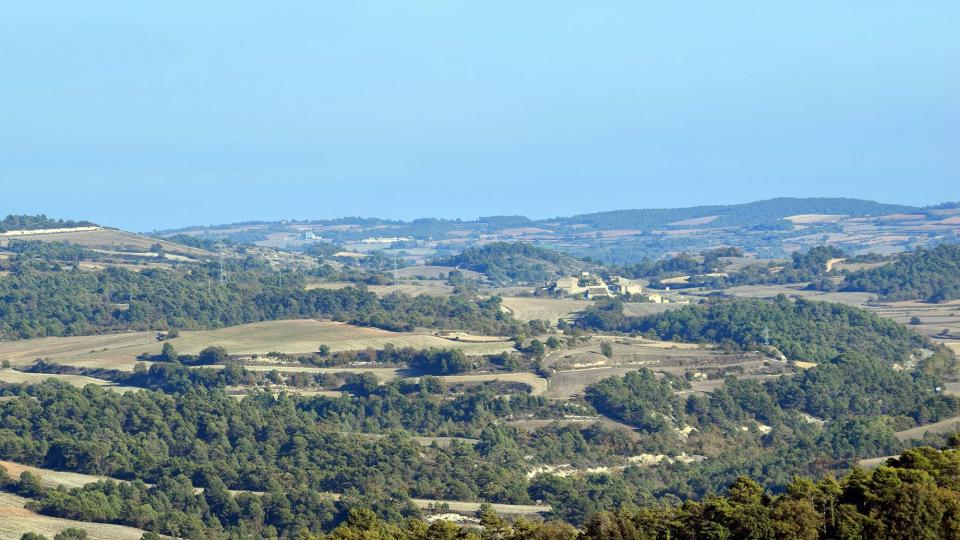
[526, 308]
[856, 299]
[950, 425]
[545, 309]
[16, 520]
[411, 288]
[119, 351]
[434, 272]
[382, 374]
[116, 240]
[13, 376]
[934, 318]
[537, 384]
[51, 478]
[576, 368]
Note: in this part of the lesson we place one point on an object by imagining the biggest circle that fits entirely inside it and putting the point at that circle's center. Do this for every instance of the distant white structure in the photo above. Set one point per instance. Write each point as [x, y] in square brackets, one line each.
[49, 231]
[386, 240]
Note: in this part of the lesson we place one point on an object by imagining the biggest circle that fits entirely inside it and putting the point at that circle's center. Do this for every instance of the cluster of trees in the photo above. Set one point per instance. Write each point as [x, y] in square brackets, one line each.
[800, 329]
[301, 447]
[639, 398]
[39, 301]
[683, 264]
[441, 361]
[849, 386]
[926, 274]
[516, 262]
[24, 222]
[914, 496]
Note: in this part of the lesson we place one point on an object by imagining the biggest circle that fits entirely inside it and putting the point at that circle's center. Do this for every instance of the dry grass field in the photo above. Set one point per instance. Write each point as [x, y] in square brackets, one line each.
[411, 288]
[856, 299]
[18, 377]
[113, 239]
[382, 374]
[119, 351]
[642, 309]
[950, 425]
[434, 272]
[552, 309]
[51, 478]
[537, 384]
[16, 520]
[549, 309]
[934, 318]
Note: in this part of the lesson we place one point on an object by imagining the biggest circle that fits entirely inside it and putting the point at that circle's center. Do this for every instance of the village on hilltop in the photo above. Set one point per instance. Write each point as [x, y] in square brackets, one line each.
[592, 286]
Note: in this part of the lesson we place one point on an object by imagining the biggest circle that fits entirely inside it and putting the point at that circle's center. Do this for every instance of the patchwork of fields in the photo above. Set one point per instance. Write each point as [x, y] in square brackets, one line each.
[119, 351]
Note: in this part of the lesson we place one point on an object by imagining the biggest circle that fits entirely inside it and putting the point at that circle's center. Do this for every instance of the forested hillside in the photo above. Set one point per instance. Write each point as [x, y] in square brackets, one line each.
[40, 299]
[768, 212]
[932, 275]
[801, 329]
[510, 262]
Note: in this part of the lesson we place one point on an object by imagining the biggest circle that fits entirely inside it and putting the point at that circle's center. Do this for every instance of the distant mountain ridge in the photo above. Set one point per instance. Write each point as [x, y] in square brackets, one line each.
[743, 214]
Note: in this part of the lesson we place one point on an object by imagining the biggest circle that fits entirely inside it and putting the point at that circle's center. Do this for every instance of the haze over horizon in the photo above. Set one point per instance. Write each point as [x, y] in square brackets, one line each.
[154, 117]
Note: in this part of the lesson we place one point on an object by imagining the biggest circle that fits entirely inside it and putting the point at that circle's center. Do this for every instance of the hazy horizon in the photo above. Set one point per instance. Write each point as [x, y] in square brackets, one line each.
[149, 117]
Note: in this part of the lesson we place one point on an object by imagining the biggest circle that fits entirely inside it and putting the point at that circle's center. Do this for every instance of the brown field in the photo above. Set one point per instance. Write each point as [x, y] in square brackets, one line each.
[114, 239]
[18, 377]
[548, 309]
[119, 351]
[856, 299]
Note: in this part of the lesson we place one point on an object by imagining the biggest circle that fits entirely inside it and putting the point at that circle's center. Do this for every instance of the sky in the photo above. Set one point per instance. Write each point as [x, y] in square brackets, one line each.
[165, 114]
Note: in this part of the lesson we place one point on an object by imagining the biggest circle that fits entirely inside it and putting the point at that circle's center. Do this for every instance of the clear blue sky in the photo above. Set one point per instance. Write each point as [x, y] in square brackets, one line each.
[158, 114]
